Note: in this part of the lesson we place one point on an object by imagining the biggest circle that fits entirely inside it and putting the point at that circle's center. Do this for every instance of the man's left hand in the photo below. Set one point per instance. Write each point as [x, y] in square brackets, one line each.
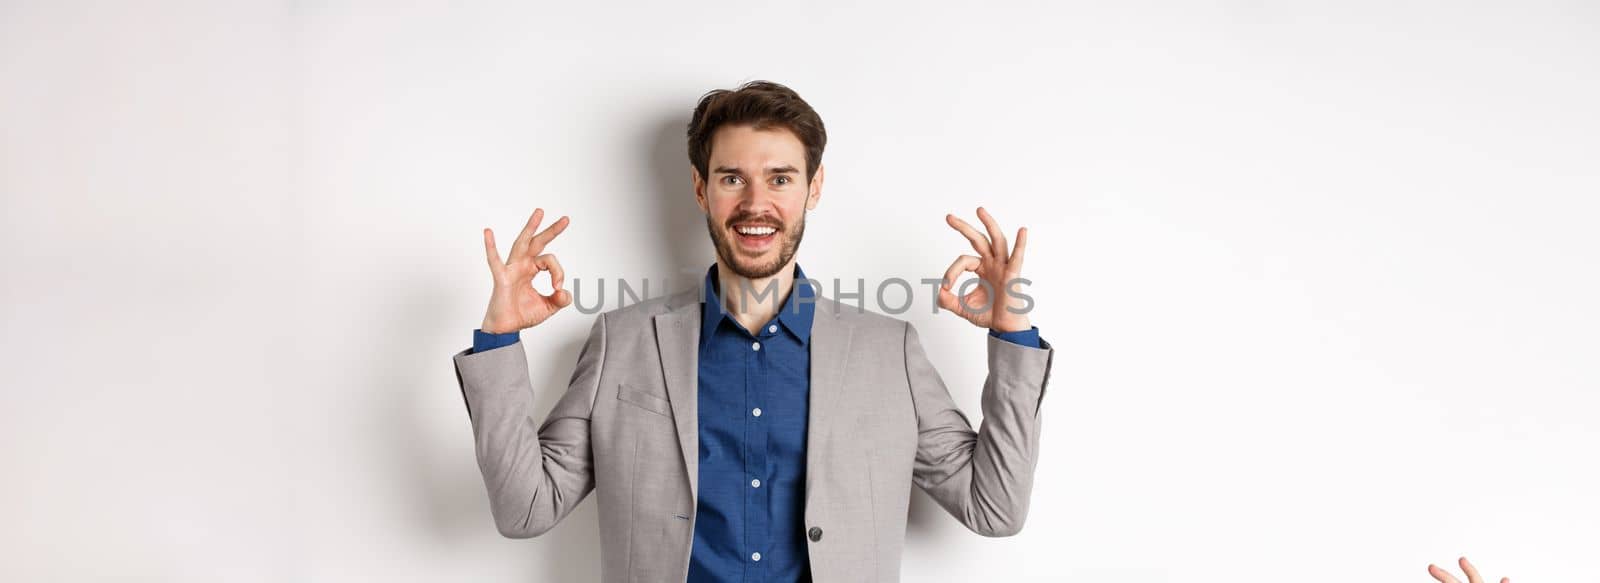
[991, 303]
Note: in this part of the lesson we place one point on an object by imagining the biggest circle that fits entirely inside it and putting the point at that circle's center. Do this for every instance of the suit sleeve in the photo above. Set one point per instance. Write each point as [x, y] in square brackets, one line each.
[534, 478]
[983, 478]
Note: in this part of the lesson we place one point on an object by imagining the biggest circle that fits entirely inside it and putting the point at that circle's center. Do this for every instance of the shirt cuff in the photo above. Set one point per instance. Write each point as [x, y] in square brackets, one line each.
[482, 341]
[1028, 338]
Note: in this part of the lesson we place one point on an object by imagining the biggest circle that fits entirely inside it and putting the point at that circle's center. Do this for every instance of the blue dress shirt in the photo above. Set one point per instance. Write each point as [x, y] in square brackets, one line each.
[753, 398]
[753, 395]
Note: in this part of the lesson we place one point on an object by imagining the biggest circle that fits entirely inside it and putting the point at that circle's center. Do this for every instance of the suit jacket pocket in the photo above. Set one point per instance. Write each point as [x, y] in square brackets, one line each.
[643, 399]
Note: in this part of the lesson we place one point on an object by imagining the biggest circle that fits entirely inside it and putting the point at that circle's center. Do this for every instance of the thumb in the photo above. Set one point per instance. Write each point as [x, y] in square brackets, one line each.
[952, 304]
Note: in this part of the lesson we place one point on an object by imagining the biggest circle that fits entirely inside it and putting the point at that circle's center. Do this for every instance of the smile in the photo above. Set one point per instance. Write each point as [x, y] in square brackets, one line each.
[755, 237]
[756, 231]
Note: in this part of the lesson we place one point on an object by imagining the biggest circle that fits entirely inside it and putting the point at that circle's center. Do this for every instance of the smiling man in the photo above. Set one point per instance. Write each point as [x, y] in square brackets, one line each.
[752, 430]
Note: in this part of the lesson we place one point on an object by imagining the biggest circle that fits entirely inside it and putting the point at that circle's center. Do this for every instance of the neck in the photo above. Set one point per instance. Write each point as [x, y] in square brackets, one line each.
[752, 302]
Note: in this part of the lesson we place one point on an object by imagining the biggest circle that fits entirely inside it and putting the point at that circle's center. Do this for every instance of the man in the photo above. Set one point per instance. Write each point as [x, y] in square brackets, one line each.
[752, 430]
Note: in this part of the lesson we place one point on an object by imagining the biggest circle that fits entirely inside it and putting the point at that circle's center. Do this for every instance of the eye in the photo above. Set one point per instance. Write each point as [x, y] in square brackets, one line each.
[730, 179]
[782, 180]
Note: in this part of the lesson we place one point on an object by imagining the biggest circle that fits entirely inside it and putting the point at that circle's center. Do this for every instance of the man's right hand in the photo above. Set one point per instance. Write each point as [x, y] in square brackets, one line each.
[515, 305]
[1466, 567]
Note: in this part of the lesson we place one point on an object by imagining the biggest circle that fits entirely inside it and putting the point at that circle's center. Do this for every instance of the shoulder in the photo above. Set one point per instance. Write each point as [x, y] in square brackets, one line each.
[862, 321]
[641, 314]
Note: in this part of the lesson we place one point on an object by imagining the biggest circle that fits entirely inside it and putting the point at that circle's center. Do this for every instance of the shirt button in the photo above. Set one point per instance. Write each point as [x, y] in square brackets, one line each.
[772, 328]
[755, 346]
[755, 556]
[815, 533]
[755, 483]
[756, 411]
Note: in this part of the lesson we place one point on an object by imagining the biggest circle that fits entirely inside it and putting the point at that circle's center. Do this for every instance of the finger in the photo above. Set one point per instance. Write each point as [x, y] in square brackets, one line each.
[962, 263]
[1441, 575]
[549, 233]
[548, 262]
[947, 300]
[979, 243]
[971, 307]
[1472, 572]
[493, 253]
[520, 246]
[996, 236]
[1505, 580]
[558, 278]
[1015, 262]
[951, 303]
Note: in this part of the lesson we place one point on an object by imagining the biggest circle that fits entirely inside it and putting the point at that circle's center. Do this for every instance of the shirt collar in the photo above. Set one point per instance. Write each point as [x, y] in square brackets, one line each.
[795, 316]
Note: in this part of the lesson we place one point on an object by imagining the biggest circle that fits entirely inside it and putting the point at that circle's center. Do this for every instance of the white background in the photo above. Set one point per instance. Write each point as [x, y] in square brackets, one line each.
[1321, 276]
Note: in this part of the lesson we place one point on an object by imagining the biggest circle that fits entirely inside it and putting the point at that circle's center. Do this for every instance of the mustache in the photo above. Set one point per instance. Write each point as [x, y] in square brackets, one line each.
[758, 220]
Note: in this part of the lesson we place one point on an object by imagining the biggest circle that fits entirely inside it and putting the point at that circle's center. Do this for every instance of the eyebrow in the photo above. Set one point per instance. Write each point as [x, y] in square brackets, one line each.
[784, 169]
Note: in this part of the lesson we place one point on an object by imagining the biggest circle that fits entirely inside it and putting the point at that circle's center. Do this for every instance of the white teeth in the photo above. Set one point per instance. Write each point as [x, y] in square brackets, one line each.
[756, 231]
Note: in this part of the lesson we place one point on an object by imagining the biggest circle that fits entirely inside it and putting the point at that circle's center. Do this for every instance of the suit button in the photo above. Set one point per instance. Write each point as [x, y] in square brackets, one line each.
[815, 533]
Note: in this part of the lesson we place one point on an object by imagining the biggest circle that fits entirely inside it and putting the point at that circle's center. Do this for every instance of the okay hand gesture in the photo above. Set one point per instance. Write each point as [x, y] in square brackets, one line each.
[515, 305]
[996, 265]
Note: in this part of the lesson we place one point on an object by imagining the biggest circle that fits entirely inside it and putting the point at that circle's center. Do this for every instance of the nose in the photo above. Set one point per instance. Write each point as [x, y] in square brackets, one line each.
[756, 198]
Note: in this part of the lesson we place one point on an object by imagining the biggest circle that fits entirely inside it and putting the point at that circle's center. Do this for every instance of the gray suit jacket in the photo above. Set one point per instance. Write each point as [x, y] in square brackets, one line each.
[880, 420]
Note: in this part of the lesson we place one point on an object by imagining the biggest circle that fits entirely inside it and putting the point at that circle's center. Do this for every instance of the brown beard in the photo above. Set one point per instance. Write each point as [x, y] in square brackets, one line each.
[786, 250]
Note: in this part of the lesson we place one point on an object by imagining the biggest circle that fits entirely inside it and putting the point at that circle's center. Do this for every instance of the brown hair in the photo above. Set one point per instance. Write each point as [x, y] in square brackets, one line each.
[759, 104]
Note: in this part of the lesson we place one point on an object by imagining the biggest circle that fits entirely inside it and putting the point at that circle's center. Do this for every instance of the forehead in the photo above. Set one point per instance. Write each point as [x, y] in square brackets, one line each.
[736, 145]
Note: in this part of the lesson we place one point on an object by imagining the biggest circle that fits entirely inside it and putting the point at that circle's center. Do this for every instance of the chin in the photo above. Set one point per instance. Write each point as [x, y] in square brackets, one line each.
[756, 268]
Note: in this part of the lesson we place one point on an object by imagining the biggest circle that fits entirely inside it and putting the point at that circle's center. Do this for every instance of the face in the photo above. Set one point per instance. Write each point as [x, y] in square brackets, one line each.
[756, 197]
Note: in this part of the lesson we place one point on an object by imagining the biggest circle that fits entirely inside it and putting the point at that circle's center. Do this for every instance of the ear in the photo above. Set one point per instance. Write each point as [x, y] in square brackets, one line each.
[699, 189]
[816, 188]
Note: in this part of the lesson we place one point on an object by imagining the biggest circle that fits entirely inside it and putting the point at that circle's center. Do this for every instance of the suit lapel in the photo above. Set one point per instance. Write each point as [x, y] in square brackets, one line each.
[830, 350]
[678, 342]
